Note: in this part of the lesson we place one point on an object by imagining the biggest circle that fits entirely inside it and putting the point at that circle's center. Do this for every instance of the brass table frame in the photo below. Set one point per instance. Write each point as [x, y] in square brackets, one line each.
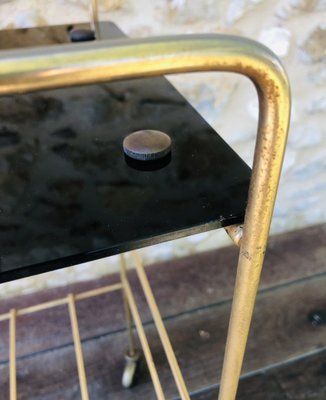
[23, 71]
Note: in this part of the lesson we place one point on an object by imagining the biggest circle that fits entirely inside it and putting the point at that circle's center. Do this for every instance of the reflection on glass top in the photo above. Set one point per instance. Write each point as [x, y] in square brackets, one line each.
[67, 194]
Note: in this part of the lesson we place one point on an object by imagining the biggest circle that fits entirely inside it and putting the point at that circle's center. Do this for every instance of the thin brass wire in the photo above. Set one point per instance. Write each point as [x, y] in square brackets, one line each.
[170, 355]
[78, 347]
[128, 316]
[59, 302]
[141, 332]
[12, 354]
[70, 301]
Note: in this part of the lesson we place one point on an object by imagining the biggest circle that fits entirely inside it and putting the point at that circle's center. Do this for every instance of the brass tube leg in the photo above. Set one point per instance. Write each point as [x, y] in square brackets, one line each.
[12, 355]
[128, 316]
[242, 309]
[274, 106]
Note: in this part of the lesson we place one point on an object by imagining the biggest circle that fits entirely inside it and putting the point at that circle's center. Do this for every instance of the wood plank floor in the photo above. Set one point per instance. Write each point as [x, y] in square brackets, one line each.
[285, 359]
[300, 379]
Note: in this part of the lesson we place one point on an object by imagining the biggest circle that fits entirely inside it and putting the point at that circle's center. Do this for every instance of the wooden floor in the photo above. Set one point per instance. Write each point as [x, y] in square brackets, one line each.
[286, 355]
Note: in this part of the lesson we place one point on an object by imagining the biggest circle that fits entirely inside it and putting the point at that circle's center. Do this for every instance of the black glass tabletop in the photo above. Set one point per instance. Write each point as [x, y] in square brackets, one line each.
[68, 194]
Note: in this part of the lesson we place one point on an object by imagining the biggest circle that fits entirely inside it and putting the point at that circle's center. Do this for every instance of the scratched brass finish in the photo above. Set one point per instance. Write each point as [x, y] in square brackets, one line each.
[67, 65]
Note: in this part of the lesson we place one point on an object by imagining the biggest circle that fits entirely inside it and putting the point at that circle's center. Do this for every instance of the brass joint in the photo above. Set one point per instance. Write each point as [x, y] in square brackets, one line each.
[235, 232]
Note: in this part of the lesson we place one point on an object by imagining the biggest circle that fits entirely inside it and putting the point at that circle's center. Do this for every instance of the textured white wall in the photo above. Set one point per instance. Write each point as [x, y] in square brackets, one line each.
[294, 29]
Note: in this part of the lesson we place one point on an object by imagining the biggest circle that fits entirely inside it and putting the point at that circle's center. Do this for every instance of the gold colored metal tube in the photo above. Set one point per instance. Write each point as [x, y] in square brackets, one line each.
[78, 347]
[12, 355]
[67, 65]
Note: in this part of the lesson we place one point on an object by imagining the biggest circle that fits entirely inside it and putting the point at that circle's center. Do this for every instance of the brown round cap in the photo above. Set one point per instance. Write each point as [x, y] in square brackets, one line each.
[147, 145]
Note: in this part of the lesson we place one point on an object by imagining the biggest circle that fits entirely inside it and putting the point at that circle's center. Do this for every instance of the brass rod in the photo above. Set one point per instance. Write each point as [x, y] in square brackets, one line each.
[131, 338]
[58, 302]
[98, 291]
[93, 12]
[141, 333]
[42, 306]
[174, 366]
[128, 316]
[5, 316]
[78, 347]
[12, 355]
[67, 65]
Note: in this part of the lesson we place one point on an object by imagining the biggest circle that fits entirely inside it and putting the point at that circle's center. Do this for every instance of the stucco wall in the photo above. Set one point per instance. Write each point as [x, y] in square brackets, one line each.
[294, 29]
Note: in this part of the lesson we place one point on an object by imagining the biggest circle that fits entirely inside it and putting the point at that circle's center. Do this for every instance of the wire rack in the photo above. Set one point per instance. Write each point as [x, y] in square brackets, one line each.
[133, 320]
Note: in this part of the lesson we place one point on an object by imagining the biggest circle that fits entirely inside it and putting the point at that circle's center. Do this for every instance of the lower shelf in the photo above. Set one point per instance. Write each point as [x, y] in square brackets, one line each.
[133, 319]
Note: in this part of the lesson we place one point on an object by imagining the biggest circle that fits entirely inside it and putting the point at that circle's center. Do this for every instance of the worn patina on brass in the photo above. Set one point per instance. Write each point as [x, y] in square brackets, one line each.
[22, 71]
